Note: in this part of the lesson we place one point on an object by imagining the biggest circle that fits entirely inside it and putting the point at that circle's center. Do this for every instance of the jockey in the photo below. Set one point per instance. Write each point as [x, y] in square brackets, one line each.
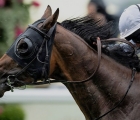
[129, 26]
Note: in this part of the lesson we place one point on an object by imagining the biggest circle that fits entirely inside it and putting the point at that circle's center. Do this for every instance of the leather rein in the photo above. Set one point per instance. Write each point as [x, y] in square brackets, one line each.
[98, 64]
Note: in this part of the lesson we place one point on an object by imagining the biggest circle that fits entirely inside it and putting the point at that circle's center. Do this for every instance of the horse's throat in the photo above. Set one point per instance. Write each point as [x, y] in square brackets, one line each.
[88, 98]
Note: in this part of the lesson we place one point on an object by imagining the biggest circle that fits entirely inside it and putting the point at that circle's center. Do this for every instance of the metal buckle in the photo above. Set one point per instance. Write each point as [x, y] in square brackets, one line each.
[9, 82]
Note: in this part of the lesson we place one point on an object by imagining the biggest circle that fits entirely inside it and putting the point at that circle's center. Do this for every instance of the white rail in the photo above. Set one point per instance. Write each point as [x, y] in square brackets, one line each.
[37, 95]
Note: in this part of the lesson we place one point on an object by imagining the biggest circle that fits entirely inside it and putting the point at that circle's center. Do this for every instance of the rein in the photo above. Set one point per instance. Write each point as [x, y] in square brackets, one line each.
[98, 64]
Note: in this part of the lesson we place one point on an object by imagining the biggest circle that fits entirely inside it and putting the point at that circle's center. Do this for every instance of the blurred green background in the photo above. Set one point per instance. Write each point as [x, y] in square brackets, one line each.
[11, 112]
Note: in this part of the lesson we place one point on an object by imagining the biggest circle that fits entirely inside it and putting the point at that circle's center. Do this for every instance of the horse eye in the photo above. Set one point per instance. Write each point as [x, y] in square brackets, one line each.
[24, 48]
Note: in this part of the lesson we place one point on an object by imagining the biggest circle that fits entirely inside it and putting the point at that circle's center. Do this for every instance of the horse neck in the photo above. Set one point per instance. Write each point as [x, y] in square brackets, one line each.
[78, 61]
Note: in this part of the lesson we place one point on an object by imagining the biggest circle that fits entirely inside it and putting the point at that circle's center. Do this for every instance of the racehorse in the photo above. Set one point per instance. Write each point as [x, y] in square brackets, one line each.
[46, 49]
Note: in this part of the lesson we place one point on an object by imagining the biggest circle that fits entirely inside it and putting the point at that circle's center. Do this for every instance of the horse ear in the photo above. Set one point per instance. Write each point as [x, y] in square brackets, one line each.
[47, 13]
[50, 21]
[55, 16]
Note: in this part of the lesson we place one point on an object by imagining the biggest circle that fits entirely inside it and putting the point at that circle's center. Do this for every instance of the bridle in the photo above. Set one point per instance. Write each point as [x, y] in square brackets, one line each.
[43, 42]
[36, 63]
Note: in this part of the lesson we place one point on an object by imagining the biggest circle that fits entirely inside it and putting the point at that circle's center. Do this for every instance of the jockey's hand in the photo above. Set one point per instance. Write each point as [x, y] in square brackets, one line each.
[95, 42]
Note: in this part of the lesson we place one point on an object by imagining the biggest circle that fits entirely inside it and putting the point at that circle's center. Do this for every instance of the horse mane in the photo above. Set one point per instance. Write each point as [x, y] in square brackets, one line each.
[89, 29]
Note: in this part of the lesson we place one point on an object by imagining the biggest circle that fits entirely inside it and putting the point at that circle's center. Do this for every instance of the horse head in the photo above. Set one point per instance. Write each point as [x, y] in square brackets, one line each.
[28, 59]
